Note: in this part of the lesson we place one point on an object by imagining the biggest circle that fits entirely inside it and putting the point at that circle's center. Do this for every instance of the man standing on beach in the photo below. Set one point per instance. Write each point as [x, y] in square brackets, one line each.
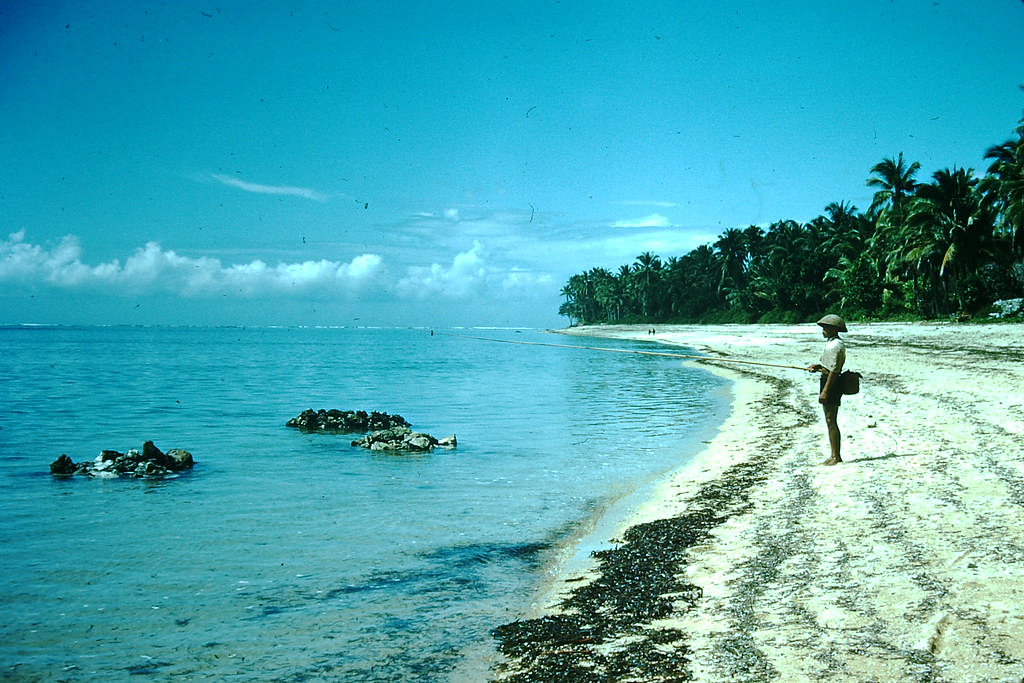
[829, 392]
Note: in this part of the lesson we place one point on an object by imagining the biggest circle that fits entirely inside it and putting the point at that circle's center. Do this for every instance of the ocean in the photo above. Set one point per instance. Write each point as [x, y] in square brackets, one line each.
[297, 557]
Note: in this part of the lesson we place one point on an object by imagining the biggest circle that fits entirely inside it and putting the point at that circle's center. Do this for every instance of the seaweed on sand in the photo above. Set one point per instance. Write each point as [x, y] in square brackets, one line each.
[604, 631]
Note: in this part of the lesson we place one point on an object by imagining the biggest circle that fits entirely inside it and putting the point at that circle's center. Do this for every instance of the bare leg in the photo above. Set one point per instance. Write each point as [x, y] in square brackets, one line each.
[834, 437]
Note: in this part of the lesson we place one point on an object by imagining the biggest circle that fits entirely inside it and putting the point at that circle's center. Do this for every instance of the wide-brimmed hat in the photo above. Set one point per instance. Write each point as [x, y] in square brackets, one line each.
[833, 320]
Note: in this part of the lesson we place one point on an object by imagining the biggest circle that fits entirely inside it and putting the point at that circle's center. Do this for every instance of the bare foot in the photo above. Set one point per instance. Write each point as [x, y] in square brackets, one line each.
[832, 461]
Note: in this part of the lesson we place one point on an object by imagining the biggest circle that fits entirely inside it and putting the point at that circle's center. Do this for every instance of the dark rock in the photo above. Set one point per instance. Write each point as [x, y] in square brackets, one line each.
[150, 462]
[400, 439]
[385, 432]
[151, 453]
[344, 421]
[179, 459]
[174, 460]
[63, 465]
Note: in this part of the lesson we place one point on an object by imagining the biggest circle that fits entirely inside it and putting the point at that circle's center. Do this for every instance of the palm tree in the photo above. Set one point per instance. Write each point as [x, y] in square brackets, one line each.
[624, 283]
[851, 266]
[648, 270]
[949, 231]
[788, 274]
[754, 237]
[675, 286]
[568, 307]
[604, 294]
[844, 232]
[896, 183]
[1005, 184]
[731, 250]
[690, 283]
[954, 239]
[858, 284]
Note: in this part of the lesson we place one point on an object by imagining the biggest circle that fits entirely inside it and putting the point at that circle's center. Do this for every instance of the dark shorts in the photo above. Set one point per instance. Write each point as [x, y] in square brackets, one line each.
[836, 397]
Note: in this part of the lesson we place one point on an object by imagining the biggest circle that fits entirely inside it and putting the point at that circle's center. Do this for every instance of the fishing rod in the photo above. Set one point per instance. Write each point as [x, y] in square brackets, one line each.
[636, 351]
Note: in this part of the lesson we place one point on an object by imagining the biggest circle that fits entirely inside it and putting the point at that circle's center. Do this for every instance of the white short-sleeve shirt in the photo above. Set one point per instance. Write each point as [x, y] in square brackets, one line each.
[834, 355]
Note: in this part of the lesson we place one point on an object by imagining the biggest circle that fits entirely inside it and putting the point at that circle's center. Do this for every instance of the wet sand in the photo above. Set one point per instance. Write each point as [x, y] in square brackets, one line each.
[754, 562]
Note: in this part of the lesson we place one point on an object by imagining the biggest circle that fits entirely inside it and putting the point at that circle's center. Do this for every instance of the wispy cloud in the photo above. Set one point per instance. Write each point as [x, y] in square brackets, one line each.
[612, 250]
[643, 202]
[257, 188]
[655, 220]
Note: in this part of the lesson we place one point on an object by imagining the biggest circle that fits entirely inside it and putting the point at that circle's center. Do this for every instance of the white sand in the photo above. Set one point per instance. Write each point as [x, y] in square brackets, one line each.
[906, 562]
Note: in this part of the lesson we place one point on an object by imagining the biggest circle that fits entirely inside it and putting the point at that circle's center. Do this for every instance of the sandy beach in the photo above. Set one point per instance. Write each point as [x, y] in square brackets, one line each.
[754, 562]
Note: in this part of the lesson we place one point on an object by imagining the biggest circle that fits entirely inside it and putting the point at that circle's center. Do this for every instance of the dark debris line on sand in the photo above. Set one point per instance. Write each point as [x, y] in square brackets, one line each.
[603, 634]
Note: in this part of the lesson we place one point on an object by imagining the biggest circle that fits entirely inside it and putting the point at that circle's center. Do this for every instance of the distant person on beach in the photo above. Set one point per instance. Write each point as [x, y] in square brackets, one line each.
[829, 392]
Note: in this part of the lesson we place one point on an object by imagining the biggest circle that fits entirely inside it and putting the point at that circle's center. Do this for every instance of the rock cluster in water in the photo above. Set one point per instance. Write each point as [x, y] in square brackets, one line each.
[403, 439]
[344, 421]
[386, 432]
[149, 462]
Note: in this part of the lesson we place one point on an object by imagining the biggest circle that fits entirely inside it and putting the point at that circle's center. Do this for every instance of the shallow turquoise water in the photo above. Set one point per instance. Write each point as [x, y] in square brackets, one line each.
[286, 556]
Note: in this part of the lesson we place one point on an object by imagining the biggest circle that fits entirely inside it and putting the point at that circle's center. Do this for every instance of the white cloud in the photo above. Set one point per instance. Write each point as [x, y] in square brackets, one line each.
[153, 269]
[467, 274]
[257, 188]
[522, 281]
[472, 274]
[655, 220]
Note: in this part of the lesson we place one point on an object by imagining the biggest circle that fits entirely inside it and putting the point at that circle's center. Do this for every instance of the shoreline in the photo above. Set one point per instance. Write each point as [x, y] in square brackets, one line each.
[753, 562]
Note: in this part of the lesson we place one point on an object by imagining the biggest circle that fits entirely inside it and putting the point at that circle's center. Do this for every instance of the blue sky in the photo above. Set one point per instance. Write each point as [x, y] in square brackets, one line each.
[450, 163]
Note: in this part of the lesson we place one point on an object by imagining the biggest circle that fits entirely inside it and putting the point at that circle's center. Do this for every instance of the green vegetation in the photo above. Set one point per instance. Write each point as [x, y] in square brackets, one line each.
[949, 247]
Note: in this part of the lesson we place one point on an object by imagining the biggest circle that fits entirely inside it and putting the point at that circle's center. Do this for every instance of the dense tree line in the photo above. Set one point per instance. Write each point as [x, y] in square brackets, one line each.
[944, 247]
